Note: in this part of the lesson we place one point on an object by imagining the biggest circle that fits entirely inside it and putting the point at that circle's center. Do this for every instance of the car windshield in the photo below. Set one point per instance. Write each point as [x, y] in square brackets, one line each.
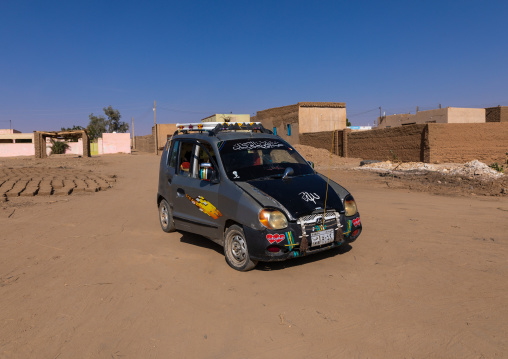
[250, 159]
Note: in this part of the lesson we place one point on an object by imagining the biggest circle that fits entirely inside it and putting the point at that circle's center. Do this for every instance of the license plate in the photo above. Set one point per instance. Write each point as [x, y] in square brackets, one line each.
[322, 237]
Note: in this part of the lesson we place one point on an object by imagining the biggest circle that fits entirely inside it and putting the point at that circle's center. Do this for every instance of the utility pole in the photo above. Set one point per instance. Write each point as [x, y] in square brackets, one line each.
[133, 137]
[155, 128]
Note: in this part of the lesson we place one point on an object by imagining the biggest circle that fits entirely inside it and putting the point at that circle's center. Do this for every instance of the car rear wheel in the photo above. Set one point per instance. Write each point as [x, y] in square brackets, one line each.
[236, 251]
[166, 217]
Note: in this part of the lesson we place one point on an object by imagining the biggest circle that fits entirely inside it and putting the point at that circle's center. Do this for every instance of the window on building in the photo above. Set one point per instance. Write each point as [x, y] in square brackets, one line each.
[275, 131]
[289, 129]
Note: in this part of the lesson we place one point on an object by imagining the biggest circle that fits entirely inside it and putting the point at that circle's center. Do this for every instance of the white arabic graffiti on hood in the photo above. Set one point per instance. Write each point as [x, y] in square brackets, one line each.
[309, 197]
[252, 145]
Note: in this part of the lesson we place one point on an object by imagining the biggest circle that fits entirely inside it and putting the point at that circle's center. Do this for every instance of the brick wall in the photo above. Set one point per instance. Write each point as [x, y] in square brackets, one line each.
[337, 142]
[406, 143]
[486, 142]
[318, 139]
[145, 144]
[496, 114]
[431, 143]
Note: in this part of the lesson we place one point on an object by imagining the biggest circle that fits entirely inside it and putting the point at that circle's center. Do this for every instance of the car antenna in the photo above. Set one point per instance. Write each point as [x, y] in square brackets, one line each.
[329, 173]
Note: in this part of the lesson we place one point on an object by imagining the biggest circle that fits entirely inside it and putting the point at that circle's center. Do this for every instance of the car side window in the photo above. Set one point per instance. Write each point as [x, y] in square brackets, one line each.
[184, 159]
[203, 154]
[211, 153]
[174, 153]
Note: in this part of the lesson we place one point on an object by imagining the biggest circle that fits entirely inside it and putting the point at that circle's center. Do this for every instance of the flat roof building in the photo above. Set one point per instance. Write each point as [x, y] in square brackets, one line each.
[304, 117]
[440, 115]
[228, 117]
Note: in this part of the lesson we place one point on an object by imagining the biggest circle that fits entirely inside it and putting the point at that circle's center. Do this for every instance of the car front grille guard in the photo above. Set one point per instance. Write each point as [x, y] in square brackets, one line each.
[315, 219]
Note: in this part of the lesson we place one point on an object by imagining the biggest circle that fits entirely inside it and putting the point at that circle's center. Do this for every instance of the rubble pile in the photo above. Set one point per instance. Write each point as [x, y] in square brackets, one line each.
[473, 169]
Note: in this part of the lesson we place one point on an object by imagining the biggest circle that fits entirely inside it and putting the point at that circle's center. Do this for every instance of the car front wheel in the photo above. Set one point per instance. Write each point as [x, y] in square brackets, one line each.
[236, 251]
[166, 217]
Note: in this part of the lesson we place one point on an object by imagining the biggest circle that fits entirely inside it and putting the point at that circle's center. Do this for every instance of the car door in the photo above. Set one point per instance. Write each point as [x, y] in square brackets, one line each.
[195, 198]
[167, 169]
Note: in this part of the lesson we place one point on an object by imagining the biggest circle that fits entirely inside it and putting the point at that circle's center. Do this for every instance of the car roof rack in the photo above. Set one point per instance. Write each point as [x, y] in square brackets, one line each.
[214, 128]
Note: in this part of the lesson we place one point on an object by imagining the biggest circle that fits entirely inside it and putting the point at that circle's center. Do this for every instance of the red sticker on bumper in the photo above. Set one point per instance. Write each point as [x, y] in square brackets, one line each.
[272, 238]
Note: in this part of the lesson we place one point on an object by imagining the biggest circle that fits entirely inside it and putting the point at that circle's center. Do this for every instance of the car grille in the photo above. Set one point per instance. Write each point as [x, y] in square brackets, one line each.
[317, 218]
[314, 223]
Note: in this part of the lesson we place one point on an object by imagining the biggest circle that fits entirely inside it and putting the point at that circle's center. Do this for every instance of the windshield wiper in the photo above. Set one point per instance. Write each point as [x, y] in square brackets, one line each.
[285, 176]
[277, 175]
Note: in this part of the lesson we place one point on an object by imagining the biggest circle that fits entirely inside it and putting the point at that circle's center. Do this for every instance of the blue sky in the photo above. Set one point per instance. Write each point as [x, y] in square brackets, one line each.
[62, 60]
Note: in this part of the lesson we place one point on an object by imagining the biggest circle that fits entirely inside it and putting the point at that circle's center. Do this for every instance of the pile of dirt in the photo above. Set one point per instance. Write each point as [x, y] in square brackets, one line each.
[469, 179]
[474, 169]
[442, 184]
[321, 157]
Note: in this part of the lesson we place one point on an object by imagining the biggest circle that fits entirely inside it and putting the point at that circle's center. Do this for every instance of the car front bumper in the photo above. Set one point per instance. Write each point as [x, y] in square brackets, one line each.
[279, 245]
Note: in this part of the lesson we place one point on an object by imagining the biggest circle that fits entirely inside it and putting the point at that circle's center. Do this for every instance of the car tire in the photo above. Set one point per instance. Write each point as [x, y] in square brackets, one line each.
[236, 251]
[166, 217]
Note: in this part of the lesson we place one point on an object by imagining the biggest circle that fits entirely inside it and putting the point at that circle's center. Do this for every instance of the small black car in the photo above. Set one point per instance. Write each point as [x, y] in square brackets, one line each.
[251, 192]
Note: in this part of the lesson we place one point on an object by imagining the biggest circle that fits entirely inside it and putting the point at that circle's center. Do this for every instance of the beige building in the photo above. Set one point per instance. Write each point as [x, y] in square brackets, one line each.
[8, 131]
[304, 117]
[440, 115]
[228, 117]
[164, 131]
[14, 136]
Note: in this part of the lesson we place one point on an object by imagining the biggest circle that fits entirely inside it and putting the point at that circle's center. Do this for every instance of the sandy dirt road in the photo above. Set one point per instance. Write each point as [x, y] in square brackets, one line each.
[92, 275]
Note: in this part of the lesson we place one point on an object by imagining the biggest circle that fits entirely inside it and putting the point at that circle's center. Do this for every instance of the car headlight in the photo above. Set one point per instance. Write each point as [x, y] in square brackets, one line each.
[350, 206]
[273, 219]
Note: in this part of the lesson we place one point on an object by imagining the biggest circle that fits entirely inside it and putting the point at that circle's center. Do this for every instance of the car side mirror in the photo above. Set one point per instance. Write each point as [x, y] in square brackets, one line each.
[287, 172]
[311, 163]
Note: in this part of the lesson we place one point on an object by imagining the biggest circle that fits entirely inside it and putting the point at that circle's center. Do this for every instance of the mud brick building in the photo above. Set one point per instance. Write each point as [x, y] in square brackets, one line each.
[496, 114]
[440, 115]
[289, 122]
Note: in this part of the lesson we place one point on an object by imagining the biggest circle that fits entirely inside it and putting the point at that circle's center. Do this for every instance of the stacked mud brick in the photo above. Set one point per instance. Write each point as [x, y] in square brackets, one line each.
[35, 181]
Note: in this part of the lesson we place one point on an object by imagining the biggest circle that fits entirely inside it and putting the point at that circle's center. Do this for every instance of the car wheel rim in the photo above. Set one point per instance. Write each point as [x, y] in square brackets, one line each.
[164, 216]
[238, 248]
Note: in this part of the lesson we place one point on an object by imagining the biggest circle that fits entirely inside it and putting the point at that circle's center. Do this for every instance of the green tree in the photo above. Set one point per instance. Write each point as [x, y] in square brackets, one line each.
[97, 126]
[348, 124]
[113, 122]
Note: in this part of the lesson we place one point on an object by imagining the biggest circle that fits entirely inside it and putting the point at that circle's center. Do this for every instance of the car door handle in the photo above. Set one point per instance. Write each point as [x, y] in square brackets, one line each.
[180, 192]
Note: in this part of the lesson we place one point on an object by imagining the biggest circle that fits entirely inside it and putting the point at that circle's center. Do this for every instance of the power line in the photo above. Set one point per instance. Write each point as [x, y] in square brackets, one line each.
[362, 113]
[185, 111]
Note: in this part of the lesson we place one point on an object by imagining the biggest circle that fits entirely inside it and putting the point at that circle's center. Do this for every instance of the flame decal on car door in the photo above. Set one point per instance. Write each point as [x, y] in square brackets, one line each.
[205, 206]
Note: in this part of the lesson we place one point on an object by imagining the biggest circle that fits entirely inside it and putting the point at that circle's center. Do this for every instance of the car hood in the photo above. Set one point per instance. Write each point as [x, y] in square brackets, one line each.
[298, 195]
